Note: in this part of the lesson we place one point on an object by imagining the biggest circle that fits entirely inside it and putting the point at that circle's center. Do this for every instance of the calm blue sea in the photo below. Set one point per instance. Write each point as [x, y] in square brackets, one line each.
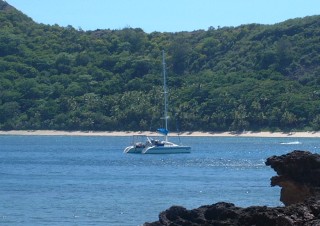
[66, 180]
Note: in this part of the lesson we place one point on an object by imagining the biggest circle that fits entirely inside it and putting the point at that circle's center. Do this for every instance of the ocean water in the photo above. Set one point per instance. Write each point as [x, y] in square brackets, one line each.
[70, 180]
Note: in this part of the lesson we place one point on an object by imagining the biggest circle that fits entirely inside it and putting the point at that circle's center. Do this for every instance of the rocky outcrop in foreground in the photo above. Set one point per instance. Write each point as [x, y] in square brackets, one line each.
[298, 176]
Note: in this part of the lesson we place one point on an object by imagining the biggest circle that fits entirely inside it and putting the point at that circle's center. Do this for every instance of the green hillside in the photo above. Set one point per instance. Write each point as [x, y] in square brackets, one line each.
[251, 77]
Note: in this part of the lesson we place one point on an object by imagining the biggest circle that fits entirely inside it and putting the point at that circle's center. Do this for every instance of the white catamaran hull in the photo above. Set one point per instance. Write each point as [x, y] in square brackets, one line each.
[167, 150]
[133, 150]
[151, 148]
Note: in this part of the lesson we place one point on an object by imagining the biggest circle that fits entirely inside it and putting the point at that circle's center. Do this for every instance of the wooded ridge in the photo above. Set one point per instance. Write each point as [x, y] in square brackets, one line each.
[252, 77]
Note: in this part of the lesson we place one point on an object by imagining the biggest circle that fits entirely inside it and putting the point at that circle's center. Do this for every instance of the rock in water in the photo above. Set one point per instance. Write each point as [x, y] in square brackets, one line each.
[298, 176]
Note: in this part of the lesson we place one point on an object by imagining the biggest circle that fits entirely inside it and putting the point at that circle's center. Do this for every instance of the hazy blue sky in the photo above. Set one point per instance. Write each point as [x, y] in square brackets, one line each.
[163, 15]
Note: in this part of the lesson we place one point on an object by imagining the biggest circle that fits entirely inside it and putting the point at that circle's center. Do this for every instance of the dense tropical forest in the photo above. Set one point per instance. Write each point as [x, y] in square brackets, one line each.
[251, 77]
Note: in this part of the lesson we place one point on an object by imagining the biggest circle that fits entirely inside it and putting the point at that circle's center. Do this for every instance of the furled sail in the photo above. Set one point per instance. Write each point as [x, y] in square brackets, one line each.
[163, 131]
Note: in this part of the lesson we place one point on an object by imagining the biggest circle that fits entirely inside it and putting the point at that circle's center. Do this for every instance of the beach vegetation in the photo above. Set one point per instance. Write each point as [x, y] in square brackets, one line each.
[252, 77]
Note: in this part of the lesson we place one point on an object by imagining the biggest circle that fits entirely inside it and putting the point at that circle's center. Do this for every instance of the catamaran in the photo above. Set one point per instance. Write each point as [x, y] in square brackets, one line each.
[164, 146]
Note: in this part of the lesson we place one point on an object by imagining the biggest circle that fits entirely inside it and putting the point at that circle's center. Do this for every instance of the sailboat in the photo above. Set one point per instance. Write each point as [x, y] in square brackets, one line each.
[152, 146]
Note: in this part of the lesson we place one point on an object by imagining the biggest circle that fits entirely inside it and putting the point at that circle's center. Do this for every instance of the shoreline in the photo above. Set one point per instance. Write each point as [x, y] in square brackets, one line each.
[313, 134]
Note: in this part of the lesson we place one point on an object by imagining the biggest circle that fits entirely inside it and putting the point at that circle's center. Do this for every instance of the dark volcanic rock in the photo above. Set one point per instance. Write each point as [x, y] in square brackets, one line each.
[298, 175]
[226, 214]
[300, 166]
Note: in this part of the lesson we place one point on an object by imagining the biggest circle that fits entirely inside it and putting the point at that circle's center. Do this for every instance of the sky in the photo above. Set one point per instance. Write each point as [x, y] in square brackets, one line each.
[163, 15]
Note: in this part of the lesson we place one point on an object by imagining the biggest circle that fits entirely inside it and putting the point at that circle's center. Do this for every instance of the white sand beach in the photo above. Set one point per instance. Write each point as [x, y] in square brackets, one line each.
[311, 134]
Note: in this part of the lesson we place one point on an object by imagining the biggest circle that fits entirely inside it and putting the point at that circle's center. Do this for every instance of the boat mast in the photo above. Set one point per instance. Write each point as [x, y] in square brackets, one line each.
[165, 93]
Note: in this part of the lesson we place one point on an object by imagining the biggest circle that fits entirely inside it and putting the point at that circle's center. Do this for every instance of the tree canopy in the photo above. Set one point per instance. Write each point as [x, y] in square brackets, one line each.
[251, 77]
